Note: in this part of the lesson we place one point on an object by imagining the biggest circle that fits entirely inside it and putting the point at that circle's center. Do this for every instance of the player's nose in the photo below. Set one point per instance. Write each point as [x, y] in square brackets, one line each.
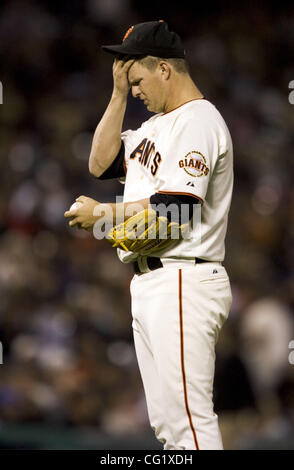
[135, 91]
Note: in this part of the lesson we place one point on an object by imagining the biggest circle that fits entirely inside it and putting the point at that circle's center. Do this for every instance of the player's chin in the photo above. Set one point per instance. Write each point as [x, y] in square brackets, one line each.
[150, 107]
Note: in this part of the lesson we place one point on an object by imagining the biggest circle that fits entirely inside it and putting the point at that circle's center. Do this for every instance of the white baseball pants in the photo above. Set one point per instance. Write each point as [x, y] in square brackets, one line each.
[177, 312]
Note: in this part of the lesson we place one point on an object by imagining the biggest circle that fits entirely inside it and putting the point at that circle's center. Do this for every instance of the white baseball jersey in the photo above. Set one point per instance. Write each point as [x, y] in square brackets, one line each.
[185, 151]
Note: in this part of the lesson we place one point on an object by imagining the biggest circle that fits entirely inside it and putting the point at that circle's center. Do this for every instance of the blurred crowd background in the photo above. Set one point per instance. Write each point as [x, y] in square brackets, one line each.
[69, 368]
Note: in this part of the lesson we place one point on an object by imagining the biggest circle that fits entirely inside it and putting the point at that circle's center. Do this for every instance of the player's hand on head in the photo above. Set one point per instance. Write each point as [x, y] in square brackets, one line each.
[120, 70]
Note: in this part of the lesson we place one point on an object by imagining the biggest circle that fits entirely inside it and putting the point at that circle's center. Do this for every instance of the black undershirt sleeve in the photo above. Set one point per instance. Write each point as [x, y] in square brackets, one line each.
[116, 169]
[181, 206]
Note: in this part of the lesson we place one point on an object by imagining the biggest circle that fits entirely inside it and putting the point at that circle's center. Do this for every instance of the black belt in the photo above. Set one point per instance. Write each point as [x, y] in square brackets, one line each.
[155, 263]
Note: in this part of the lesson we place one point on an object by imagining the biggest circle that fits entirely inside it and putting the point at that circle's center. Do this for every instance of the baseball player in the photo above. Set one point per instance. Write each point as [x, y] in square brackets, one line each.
[181, 294]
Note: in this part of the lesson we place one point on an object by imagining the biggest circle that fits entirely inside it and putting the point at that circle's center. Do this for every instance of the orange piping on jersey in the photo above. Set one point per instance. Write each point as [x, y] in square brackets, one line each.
[194, 99]
[182, 361]
[183, 194]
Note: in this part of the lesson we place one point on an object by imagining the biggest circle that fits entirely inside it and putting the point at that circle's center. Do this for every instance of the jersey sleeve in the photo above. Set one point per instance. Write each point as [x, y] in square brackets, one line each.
[118, 168]
[189, 159]
[175, 202]
[128, 138]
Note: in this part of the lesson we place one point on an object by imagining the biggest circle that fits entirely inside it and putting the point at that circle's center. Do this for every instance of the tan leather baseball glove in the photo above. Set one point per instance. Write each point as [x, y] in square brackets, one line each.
[145, 233]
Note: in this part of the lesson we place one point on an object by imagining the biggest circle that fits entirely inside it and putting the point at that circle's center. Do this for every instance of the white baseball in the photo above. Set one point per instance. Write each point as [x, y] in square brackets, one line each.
[75, 206]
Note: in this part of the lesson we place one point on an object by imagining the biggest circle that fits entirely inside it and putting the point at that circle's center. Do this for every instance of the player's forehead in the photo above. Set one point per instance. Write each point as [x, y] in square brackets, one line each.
[136, 72]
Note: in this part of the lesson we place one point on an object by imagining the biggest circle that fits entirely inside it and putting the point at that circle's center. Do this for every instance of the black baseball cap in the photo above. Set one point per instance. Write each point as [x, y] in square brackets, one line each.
[151, 38]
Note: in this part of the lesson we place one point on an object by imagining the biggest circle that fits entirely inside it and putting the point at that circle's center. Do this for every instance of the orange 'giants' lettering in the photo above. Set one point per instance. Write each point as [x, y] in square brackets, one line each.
[145, 151]
[139, 150]
[156, 163]
[146, 156]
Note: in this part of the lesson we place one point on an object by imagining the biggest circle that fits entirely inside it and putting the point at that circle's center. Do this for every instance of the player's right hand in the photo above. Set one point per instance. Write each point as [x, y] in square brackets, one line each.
[120, 72]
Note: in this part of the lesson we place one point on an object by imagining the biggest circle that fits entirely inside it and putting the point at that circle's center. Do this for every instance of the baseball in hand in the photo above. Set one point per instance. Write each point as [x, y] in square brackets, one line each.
[75, 206]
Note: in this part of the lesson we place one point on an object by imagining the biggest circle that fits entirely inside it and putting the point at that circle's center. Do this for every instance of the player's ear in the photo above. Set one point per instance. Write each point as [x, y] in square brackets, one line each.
[164, 69]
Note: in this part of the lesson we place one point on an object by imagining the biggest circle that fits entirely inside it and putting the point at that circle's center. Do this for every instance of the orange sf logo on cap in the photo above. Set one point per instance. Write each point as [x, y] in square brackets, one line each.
[128, 33]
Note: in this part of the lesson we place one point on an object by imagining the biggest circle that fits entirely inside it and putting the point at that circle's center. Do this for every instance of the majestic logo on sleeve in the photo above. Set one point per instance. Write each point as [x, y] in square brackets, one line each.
[147, 155]
[194, 164]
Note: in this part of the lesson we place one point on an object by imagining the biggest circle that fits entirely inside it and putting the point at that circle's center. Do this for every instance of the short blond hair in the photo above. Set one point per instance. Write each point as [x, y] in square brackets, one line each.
[151, 62]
